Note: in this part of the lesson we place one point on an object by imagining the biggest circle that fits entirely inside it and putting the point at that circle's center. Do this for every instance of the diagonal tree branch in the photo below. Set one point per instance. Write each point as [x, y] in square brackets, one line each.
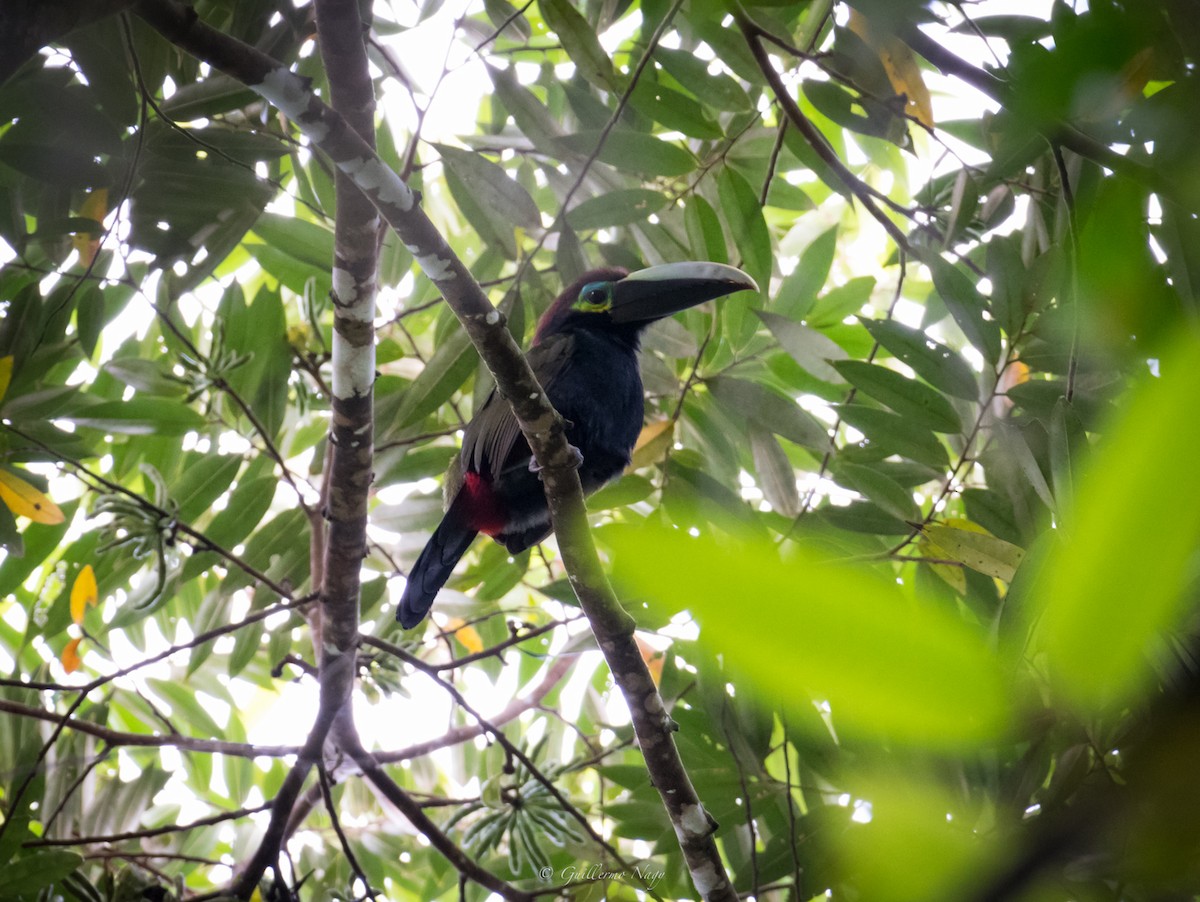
[754, 36]
[540, 423]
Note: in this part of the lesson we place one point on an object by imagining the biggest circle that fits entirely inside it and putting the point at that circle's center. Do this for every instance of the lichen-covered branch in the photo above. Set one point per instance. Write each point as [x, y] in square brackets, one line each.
[349, 471]
[539, 422]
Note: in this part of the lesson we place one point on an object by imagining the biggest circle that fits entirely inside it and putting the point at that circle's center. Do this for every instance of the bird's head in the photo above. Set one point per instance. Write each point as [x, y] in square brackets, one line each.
[614, 299]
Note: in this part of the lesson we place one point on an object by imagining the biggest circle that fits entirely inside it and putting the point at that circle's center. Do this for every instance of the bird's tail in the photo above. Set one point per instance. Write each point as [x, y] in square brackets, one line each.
[448, 543]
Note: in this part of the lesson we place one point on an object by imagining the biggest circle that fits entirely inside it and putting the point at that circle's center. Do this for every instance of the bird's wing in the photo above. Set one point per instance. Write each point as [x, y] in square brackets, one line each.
[491, 441]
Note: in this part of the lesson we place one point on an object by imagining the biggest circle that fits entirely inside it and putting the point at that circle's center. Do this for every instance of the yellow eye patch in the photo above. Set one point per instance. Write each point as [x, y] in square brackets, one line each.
[596, 297]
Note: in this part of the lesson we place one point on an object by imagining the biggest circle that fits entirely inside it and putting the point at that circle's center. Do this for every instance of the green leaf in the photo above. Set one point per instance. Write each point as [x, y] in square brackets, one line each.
[705, 236]
[1116, 579]
[148, 376]
[839, 105]
[40, 870]
[798, 292]
[889, 666]
[967, 306]
[837, 303]
[503, 13]
[186, 709]
[787, 196]
[776, 477]
[880, 488]
[307, 242]
[579, 39]
[906, 396]
[248, 504]
[1013, 444]
[451, 364]
[896, 434]
[202, 480]
[496, 230]
[531, 115]
[719, 91]
[259, 330]
[631, 151]
[977, 550]
[491, 186]
[673, 110]
[932, 361]
[783, 416]
[615, 208]
[744, 214]
[246, 645]
[811, 349]
[139, 416]
[629, 489]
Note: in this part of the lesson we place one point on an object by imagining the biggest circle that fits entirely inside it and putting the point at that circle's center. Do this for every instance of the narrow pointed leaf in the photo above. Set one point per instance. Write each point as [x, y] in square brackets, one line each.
[492, 187]
[579, 40]
[967, 306]
[743, 399]
[880, 488]
[744, 214]
[934, 362]
[775, 475]
[896, 434]
[813, 350]
[615, 208]
[906, 396]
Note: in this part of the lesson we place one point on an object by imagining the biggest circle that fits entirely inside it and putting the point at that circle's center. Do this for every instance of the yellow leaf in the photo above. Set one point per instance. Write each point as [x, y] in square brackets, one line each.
[653, 657]
[83, 592]
[974, 547]
[901, 67]
[6, 364]
[652, 444]
[71, 661]
[467, 635]
[951, 575]
[95, 206]
[26, 501]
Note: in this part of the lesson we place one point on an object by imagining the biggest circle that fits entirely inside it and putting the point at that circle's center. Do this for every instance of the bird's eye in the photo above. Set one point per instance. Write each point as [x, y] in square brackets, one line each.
[595, 297]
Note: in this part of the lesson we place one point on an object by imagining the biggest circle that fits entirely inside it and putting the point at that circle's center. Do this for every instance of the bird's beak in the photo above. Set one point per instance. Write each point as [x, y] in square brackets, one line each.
[659, 291]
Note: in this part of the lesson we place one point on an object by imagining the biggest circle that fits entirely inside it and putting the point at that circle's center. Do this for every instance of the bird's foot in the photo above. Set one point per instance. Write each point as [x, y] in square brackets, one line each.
[575, 463]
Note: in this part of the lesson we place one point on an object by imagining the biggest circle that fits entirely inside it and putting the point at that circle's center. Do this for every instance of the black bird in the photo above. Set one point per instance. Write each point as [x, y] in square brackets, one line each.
[584, 354]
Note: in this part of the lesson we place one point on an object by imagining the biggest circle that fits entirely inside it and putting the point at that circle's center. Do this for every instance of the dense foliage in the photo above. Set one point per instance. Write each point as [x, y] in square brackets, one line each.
[910, 537]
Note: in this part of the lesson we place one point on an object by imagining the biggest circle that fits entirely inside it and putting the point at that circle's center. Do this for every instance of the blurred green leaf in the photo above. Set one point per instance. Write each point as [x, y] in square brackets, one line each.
[1114, 580]
[888, 666]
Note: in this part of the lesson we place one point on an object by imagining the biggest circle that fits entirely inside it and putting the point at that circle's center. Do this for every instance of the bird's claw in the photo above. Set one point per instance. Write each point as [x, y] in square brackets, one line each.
[574, 464]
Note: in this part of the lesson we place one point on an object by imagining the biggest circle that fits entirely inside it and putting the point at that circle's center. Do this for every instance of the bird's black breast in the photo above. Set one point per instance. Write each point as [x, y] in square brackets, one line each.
[599, 390]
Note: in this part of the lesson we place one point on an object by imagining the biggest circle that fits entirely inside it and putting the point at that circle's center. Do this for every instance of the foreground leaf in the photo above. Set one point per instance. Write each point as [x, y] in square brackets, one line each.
[805, 629]
[1115, 580]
